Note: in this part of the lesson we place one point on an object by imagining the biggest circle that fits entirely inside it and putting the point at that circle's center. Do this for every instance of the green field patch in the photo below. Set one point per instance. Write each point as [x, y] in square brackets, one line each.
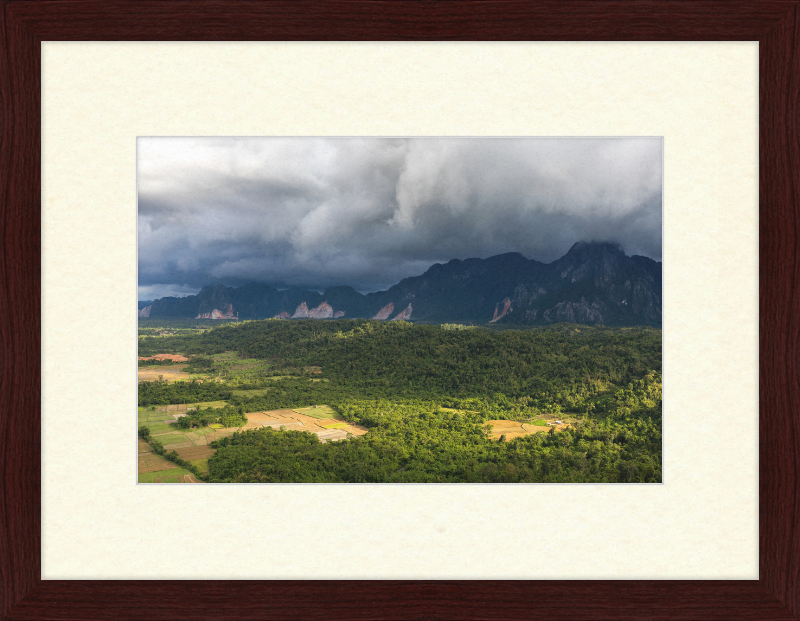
[156, 419]
[215, 426]
[539, 422]
[454, 411]
[202, 464]
[210, 404]
[171, 438]
[150, 477]
[255, 392]
[249, 363]
[336, 426]
[320, 411]
[202, 431]
[156, 428]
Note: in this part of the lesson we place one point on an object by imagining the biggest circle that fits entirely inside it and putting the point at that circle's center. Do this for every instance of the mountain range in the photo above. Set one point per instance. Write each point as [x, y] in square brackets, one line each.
[593, 283]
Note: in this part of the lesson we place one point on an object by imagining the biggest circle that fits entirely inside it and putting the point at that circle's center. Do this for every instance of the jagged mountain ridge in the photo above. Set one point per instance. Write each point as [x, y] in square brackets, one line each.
[594, 283]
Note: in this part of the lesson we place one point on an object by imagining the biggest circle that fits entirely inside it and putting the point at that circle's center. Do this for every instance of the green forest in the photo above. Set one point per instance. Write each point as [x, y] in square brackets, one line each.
[424, 393]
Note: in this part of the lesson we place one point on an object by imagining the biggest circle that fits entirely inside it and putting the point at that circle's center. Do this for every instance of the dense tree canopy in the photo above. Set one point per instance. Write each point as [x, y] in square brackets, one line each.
[394, 378]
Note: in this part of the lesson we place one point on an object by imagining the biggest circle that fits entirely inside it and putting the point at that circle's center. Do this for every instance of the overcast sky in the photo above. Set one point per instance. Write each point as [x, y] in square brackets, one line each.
[367, 212]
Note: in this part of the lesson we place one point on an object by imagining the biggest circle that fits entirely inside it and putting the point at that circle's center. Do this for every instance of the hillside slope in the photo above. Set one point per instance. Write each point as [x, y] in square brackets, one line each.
[594, 283]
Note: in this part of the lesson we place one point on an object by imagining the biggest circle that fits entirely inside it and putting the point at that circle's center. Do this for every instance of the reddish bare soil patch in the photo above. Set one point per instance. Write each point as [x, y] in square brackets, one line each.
[195, 452]
[189, 478]
[173, 357]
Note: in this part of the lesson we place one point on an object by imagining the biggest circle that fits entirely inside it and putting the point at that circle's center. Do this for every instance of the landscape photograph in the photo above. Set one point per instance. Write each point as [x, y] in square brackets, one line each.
[399, 310]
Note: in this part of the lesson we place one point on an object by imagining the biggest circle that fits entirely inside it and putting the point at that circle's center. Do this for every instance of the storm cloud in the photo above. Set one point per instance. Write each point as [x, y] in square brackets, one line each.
[367, 212]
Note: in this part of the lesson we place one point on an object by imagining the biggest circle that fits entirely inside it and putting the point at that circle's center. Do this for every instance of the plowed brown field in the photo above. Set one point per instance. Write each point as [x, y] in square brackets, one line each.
[508, 428]
[173, 357]
[273, 414]
[195, 452]
[170, 374]
[535, 428]
[291, 418]
[513, 429]
[150, 462]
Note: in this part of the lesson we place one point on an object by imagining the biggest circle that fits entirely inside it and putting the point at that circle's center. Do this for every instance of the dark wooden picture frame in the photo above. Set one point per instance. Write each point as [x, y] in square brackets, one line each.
[774, 24]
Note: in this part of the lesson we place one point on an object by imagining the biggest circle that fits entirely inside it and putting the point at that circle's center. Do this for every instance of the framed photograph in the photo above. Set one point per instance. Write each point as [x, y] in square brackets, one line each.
[371, 300]
[87, 80]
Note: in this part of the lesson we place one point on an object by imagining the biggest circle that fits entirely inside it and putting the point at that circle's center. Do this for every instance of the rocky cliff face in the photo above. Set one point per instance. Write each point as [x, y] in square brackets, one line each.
[323, 311]
[301, 312]
[403, 315]
[226, 313]
[525, 295]
[573, 312]
[592, 283]
[385, 311]
[501, 310]
[145, 312]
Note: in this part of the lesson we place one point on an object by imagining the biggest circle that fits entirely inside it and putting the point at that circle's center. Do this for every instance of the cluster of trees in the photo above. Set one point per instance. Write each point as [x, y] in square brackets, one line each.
[404, 360]
[155, 363]
[418, 442]
[456, 326]
[227, 416]
[160, 392]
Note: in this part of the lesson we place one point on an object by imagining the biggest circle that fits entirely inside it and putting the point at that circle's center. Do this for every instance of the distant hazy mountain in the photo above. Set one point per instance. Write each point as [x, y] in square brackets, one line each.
[594, 283]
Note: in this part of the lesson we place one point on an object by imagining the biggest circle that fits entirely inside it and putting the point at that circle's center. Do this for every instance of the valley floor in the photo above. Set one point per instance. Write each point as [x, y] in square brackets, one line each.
[390, 416]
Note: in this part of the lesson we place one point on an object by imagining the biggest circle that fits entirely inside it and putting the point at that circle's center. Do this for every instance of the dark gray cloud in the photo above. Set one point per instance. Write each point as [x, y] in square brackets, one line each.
[367, 212]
